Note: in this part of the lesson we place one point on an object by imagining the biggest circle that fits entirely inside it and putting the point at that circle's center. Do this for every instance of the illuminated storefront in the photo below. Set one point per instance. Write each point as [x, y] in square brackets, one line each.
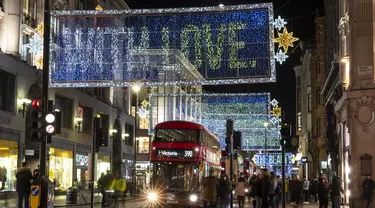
[143, 145]
[103, 164]
[8, 163]
[61, 168]
[82, 163]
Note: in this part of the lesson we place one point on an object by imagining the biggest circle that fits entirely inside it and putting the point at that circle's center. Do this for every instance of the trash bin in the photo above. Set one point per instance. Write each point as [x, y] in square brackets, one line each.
[71, 196]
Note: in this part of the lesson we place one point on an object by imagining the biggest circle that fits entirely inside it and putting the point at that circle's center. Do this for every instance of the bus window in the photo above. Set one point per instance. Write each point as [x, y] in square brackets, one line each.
[176, 135]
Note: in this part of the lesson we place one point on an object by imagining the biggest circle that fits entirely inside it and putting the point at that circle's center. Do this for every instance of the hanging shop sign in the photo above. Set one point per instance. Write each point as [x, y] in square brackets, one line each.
[181, 46]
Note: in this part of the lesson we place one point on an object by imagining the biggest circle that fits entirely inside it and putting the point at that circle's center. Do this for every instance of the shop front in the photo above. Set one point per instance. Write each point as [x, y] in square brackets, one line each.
[8, 164]
[102, 166]
[61, 168]
[82, 164]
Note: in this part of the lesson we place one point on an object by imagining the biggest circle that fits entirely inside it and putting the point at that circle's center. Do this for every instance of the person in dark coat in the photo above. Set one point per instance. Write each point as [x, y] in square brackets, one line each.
[295, 189]
[368, 186]
[336, 189]
[314, 189]
[24, 178]
[223, 191]
[265, 188]
[323, 190]
[257, 190]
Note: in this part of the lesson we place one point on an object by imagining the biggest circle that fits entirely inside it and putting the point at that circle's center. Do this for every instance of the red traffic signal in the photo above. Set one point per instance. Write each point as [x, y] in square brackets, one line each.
[36, 103]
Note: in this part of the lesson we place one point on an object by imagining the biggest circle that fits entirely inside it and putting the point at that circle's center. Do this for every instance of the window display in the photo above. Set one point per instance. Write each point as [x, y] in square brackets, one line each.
[61, 168]
[104, 164]
[82, 163]
[8, 164]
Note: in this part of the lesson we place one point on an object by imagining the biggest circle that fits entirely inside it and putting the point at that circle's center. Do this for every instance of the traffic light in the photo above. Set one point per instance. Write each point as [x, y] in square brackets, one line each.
[37, 117]
[237, 140]
[288, 142]
[50, 123]
[228, 138]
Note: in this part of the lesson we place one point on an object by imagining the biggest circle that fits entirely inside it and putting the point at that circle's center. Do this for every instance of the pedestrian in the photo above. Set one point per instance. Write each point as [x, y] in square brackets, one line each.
[241, 185]
[224, 191]
[119, 186]
[306, 186]
[252, 191]
[257, 189]
[323, 190]
[314, 189]
[273, 190]
[368, 186]
[295, 189]
[265, 188]
[336, 189]
[23, 184]
[209, 193]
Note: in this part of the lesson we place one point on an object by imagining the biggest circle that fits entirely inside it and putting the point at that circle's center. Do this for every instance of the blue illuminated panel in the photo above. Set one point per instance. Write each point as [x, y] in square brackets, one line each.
[209, 45]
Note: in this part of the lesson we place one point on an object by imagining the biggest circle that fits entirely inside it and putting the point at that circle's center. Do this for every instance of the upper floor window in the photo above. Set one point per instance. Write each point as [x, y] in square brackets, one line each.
[309, 102]
[299, 121]
[7, 91]
[87, 118]
[65, 105]
[129, 129]
[29, 13]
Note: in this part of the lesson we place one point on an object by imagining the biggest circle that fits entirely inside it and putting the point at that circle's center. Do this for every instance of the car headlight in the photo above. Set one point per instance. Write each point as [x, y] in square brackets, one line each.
[152, 196]
[193, 198]
[246, 190]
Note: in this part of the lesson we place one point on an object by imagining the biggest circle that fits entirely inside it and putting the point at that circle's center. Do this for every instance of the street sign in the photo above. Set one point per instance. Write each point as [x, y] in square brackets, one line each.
[34, 196]
[303, 160]
[158, 47]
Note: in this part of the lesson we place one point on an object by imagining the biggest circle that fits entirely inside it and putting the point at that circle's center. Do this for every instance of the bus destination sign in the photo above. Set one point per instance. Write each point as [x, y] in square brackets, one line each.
[175, 153]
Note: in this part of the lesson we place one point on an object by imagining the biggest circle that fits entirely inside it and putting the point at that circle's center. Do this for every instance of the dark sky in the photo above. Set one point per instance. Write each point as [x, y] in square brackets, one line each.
[300, 16]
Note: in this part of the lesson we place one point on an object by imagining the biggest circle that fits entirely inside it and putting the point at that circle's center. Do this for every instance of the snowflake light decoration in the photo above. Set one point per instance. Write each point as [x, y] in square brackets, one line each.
[145, 103]
[274, 120]
[281, 56]
[285, 39]
[35, 44]
[279, 23]
[274, 102]
[142, 112]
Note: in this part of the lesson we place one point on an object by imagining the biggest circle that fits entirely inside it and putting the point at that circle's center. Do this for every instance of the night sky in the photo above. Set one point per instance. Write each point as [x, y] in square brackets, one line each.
[300, 16]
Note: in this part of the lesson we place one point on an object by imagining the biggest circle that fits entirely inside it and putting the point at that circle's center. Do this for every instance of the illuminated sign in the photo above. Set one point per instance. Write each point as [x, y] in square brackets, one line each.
[304, 159]
[175, 153]
[82, 159]
[185, 46]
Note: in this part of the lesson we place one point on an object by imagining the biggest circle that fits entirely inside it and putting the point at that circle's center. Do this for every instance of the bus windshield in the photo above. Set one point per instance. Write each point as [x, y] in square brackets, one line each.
[176, 177]
[177, 135]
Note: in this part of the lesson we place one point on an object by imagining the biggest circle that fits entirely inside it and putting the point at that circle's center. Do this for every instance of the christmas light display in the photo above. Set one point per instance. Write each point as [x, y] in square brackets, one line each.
[285, 39]
[279, 23]
[281, 56]
[274, 102]
[276, 111]
[248, 110]
[273, 161]
[228, 45]
[36, 46]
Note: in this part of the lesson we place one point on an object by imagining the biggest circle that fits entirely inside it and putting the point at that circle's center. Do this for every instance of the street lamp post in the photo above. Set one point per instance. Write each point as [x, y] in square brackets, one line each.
[136, 88]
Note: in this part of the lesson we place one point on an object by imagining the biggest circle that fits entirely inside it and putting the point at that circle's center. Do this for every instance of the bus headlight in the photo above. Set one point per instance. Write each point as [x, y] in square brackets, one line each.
[246, 190]
[193, 198]
[152, 196]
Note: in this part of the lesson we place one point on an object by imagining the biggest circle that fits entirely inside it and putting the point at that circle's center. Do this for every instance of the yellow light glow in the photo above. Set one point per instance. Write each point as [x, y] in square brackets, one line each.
[113, 131]
[25, 100]
[285, 39]
[276, 111]
[136, 88]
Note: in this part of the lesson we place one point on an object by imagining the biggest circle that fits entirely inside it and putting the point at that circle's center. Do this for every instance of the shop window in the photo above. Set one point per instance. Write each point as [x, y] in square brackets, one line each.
[143, 145]
[65, 105]
[102, 166]
[8, 163]
[129, 129]
[86, 114]
[7, 91]
[61, 168]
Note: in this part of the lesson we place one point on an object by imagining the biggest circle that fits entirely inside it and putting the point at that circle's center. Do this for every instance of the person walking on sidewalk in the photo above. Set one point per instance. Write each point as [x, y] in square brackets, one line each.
[224, 191]
[323, 190]
[368, 186]
[306, 186]
[256, 189]
[273, 190]
[265, 188]
[336, 189]
[295, 188]
[241, 184]
[23, 184]
[314, 189]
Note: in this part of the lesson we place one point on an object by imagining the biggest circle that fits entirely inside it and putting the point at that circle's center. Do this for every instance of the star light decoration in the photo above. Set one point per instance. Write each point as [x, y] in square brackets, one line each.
[143, 111]
[284, 40]
[36, 46]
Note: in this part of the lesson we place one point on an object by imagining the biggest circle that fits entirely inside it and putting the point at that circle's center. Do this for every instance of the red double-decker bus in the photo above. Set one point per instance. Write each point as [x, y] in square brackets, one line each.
[182, 154]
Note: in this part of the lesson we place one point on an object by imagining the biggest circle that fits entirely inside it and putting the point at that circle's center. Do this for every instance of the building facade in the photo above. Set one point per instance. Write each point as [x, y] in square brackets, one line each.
[20, 79]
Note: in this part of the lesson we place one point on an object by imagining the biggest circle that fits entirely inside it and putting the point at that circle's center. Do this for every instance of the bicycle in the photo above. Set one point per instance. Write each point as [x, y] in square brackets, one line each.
[112, 198]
